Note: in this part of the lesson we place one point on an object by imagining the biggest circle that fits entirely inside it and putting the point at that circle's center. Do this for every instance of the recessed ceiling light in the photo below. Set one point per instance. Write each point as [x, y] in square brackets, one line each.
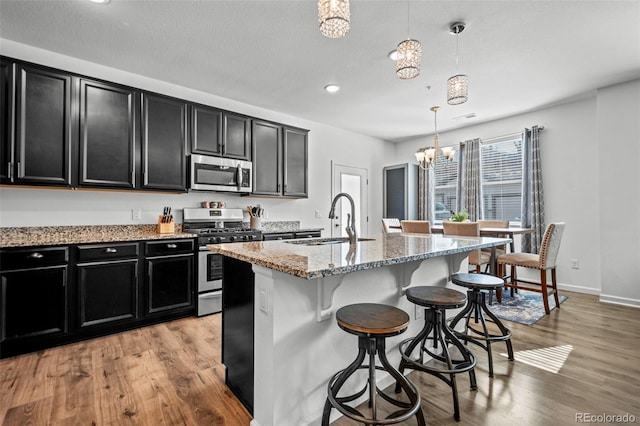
[393, 55]
[332, 88]
[100, 1]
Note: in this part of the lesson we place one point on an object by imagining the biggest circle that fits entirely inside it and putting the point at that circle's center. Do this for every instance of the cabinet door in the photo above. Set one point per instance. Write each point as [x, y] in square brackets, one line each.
[33, 303]
[169, 284]
[267, 172]
[206, 130]
[237, 136]
[107, 292]
[43, 126]
[164, 137]
[295, 162]
[107, 135]
[6, 121]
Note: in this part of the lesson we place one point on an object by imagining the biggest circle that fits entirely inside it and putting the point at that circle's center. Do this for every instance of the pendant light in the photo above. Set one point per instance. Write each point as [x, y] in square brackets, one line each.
[458, 85]
[334, 17]
[409, 54]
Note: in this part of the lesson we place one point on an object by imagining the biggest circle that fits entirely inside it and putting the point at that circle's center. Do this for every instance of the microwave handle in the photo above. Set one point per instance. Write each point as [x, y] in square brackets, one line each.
[239, 177]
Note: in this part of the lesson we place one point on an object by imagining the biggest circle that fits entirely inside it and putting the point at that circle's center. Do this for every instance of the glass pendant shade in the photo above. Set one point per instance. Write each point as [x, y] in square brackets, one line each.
[408, 62]
[457, 89]
[334, 17]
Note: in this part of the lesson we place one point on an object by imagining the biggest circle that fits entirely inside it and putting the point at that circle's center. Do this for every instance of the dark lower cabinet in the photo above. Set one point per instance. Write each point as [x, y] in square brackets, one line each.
[55, 295]
[238, 285]
[107, 284]
[33, 298]
[169, 266]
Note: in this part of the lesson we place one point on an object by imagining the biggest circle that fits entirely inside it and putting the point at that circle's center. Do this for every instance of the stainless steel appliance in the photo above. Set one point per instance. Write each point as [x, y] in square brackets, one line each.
[214, 226]
[219, 174]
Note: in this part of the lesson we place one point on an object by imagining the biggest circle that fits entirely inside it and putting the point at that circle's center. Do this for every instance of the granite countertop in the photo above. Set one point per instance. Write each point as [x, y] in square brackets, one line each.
[315, 261]
[64, 235]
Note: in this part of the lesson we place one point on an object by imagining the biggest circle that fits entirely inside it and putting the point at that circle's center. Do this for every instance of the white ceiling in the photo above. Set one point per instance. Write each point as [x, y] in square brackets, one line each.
[520, 55]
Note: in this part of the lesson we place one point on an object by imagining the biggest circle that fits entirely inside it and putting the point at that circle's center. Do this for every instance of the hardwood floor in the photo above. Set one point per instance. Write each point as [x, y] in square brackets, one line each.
[171, 374]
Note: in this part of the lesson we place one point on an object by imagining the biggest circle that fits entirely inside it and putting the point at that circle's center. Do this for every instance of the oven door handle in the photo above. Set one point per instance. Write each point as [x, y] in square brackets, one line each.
[239, 177]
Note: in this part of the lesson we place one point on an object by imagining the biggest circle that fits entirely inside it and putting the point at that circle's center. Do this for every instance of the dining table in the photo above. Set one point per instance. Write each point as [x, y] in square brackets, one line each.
[494, 232]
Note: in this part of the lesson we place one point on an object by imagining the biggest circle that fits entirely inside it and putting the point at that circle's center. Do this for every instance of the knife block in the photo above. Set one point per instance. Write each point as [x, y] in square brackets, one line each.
[166, 228]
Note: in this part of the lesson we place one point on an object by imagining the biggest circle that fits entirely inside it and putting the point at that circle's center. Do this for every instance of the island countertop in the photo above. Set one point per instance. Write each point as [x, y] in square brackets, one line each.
[298, 258]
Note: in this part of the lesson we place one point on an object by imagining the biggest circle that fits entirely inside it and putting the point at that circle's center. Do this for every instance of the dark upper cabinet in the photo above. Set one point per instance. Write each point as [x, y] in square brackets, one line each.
[206, 130]
[6, 120]
[164, 138]
[236, 134]
[220, 133]
[42, 142]
[279, 160]
[295, 176]
[267, 170]
[108, 137]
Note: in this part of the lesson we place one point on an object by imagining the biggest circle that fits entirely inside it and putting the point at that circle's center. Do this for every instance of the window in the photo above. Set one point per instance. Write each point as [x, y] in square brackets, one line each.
[446, 174]
[502, 179]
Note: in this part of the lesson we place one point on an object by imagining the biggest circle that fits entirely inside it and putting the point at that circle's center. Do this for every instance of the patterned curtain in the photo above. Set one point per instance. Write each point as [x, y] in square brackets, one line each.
[532, 191]
[469, 191]
[426, 194]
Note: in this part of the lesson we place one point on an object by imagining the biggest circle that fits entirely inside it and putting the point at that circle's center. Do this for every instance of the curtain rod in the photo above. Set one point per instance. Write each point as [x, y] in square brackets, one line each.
[509, 135]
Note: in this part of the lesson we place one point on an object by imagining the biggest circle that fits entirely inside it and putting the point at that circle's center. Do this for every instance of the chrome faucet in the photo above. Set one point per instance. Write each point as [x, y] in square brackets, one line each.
[351, 218]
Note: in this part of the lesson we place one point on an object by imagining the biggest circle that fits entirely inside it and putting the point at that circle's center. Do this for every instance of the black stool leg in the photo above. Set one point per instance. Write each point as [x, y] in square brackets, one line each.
[504, 330]
[419, 339]
[339, 382]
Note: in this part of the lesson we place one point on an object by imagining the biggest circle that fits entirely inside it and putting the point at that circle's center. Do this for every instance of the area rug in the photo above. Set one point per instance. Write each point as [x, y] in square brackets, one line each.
[524, 307]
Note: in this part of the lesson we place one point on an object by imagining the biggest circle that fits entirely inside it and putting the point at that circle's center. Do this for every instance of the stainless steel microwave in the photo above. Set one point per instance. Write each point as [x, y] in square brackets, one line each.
[219, 174]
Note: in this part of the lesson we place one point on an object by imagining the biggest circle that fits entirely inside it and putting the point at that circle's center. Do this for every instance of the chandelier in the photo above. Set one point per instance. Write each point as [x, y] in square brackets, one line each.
[334, 17]
[458, 85]
[427, 156]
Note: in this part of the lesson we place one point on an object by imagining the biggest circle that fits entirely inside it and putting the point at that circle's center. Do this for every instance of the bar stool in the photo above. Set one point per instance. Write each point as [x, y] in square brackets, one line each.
[436, 300]
[372, 323]
[477, 308]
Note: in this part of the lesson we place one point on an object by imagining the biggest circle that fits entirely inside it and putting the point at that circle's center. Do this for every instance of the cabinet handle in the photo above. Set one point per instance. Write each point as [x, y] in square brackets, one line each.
[172, 246]
[10, 170]
[19, 170]
[35, 255]
[111, 250]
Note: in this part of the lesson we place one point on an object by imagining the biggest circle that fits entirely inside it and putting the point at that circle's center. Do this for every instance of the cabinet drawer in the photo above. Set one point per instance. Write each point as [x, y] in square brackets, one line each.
[107, 251]
[33, 258]
[168, 247]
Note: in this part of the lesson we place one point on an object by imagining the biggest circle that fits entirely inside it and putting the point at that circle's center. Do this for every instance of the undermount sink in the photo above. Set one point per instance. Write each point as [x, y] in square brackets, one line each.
[325, 241]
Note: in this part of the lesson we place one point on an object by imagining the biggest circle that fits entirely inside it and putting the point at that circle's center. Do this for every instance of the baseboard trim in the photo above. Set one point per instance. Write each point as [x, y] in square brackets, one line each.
[615, 300]
[579, 289]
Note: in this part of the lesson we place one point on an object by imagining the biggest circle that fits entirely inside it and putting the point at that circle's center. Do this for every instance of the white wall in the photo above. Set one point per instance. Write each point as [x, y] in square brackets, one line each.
[618, 130]
[590, 153]
[37, 207]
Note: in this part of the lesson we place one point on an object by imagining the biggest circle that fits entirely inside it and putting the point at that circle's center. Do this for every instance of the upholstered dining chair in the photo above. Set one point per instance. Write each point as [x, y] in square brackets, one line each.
[416, 226]
[544, 262]
[494, 224]
[477, 258]
[391, 225]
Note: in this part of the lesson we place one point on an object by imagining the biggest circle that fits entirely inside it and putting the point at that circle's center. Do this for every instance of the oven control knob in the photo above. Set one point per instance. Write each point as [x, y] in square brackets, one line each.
[249, 237]
[232, 238]
[218, 239]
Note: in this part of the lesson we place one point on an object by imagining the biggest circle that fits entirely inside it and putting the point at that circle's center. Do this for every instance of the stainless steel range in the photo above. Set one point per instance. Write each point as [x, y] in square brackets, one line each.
[214, 226]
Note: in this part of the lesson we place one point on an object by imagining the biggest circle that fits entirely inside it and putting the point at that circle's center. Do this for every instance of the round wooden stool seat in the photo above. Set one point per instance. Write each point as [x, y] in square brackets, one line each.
[476, 315]
[479, 281]
[372, 323]
[372, 319]
[436, 297]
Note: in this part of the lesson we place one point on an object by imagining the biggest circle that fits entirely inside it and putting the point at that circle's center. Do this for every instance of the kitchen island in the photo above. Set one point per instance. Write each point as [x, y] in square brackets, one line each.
[299, 284]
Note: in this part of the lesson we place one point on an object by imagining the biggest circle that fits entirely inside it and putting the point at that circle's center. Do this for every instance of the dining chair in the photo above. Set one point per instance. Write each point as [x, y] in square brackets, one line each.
[544, 261]
[416, 226]
[391, 225]
[495, 224]
[477, 258]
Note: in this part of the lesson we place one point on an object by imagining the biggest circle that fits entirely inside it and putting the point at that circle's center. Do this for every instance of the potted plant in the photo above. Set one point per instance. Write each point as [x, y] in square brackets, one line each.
[460, 216]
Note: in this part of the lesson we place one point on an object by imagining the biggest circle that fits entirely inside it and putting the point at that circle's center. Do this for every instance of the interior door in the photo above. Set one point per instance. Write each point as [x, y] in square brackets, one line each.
[354, 181]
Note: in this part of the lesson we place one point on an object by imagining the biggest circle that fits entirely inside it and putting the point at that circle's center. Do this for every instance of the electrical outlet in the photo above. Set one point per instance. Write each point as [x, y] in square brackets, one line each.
[318, 215]
[262, 302]
[136, 214]
[575, 264]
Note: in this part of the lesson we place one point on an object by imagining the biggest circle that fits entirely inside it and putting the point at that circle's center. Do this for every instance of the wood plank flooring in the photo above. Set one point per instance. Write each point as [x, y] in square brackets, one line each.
[170, 374]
